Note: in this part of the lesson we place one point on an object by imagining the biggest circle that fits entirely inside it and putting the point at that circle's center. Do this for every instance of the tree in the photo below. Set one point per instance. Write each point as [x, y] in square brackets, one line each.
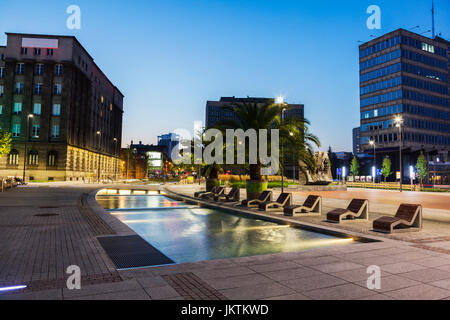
[386, 168]
[5, 143]
[354, 167]
[294, 134]
[422, 168]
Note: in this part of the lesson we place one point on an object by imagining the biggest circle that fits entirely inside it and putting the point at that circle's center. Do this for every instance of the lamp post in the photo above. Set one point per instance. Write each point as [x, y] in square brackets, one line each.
[399, 122]
[293, 161]
[372, 142]
[25, 147]
[115, 162]
[282, 155]
[99, 134]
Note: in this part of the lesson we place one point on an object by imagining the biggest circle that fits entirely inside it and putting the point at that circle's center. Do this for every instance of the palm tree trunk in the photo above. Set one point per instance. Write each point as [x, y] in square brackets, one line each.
[255, 172]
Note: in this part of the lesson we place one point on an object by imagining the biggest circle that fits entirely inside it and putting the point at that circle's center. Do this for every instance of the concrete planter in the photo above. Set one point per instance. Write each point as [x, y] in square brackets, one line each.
[255, 188]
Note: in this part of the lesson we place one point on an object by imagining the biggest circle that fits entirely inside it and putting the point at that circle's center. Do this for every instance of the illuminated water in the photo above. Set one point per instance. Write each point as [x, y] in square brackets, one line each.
[189, 233]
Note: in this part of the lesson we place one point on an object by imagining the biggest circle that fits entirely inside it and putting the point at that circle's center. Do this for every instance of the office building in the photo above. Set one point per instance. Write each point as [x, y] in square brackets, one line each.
[215, 111]
[64, 114]
[356, 134]
[405, 75]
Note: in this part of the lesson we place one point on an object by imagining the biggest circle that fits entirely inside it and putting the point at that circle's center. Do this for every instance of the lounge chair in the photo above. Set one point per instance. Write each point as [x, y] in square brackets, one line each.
[263, 197]
[232, 196]
[284, 199]
[407, 216]
[357, 209]
[199, 193]
[312, 204]
[211, 195]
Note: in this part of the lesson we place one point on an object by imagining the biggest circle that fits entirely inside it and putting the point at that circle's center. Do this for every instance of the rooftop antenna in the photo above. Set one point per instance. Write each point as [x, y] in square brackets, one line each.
[432, 19]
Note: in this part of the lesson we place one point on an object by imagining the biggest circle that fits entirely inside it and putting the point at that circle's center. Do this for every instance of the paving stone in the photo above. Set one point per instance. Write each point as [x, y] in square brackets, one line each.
[151, 282]
[288, 274]
[279, 266]
[401, 267]
[54, 294]
[230, 272]
[355, 275]
[347, 291]
[433, 262]
[314, 282]
[257, 291]
[426, 275]
[336, 267]
[317, 261]
[391, 283]
[138, 294]
[295, 296]
[444, 284]
[96, 289]
[419, 292]
[161, 293]
[238, 281]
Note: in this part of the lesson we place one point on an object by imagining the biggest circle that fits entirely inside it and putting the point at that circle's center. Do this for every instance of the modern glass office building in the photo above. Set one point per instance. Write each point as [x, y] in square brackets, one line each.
[405, 75]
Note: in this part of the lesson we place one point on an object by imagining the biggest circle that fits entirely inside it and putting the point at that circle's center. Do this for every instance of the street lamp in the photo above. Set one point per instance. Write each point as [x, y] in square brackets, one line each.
[399, 122]
[115, 162]
[99, 134]
[25, 148]
[293, 160]
[282, 155]
[372, 142]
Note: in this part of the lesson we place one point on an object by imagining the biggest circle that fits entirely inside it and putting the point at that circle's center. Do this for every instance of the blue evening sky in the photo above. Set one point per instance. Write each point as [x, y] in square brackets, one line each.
[169, 56]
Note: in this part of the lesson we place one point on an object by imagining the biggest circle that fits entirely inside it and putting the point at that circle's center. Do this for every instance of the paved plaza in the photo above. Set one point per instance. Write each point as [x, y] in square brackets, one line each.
[44, 228]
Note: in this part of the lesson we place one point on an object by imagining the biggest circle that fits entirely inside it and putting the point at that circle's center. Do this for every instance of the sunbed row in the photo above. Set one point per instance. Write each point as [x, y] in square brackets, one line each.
[407, 215]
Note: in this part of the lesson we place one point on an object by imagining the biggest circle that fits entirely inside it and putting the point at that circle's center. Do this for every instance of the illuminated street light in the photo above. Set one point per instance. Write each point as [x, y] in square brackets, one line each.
[399, 122]
[25, 146]
[372, 142]
[279, 100]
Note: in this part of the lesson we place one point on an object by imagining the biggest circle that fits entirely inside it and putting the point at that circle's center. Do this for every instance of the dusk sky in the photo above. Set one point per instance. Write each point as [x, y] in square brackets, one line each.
[169, 57]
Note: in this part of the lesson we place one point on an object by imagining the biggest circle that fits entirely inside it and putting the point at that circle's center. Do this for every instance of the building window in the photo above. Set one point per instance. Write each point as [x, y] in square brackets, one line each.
[37, 109]
[37, 51]
[38, 88]
[13, 157]
[427, 47]
[35, 130]
[16, 130]
[17, 108]
[59, 69]
[56, 110]
[20, 68]
[33, 158]
[1, 91]
[19, 88]
[2, 72]
[1, 109]
[55, 131]
[52, 159]
[23, 50]
[49, 52]
[57, 89]
[39, 69]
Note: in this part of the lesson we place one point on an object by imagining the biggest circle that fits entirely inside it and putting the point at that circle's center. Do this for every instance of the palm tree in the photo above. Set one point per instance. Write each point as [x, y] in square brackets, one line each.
[294, 133]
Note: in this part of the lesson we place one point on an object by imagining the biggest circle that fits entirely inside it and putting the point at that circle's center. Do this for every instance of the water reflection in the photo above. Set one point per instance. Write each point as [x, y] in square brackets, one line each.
[195, 234]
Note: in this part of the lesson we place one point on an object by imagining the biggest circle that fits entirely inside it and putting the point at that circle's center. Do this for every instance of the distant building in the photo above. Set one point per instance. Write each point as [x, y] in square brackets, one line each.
[169, 140]
[356, 133]
[344, 156]
[64, 114]
[141, 160]
[215, 111]
[404, 74]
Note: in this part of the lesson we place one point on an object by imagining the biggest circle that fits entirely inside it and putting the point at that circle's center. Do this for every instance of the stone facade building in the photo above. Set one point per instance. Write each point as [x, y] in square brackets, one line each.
[64, 114]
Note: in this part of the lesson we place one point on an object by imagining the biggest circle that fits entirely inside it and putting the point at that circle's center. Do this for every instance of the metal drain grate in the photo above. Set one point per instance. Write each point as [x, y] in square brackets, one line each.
[191, 287]
[132, 252]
